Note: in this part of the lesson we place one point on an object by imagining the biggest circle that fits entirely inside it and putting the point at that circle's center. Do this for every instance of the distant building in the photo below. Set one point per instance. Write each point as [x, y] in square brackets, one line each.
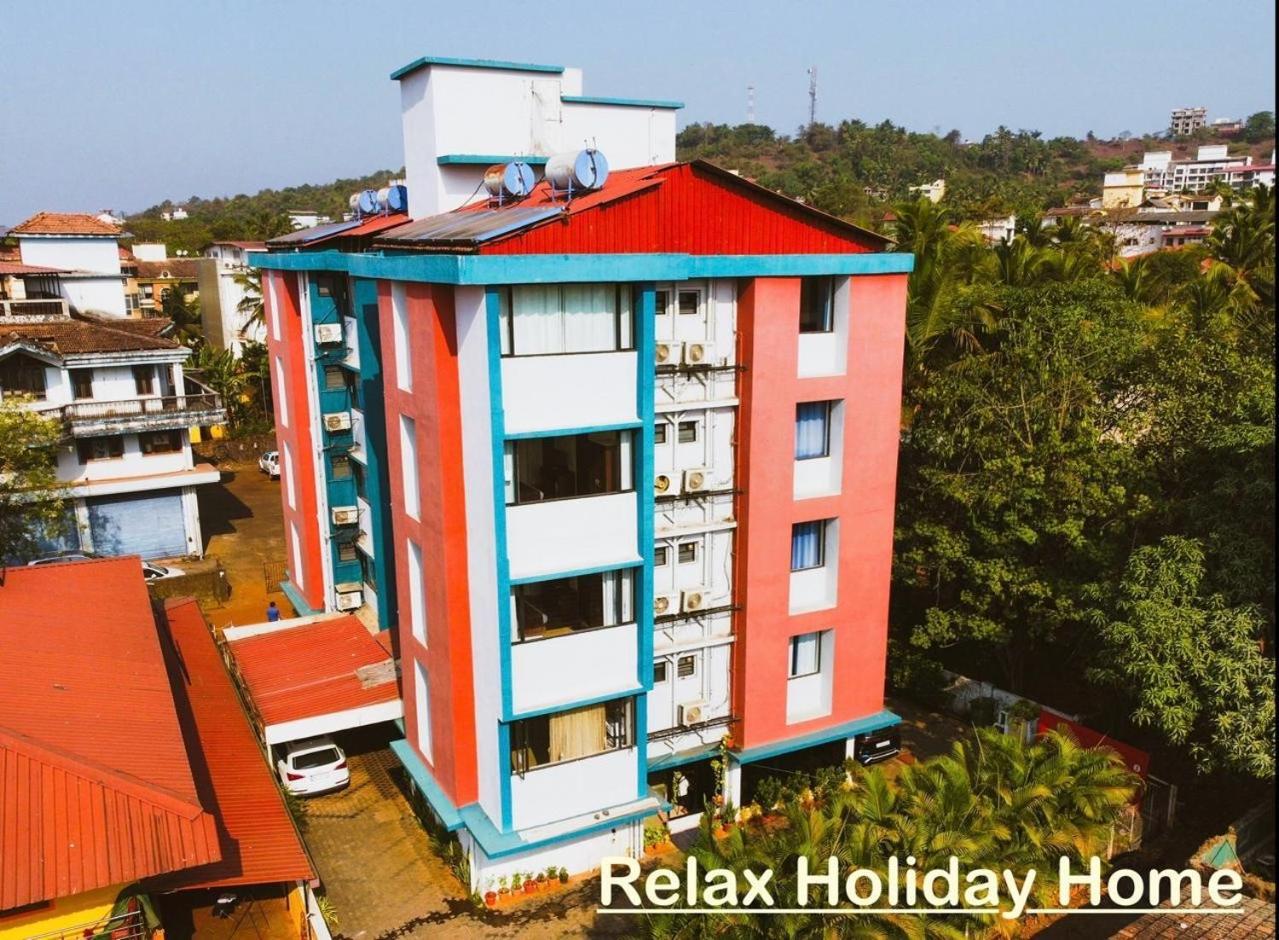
[157, 278]
[933, 192]
[174, 215]
[84, 251]
[1123, 189]
[1144, 229]
[306, 218]
[226, 325]
[150, 251]
[1212, 163]
[1226, 127]
[126, 407]
[1187, 120]
[999, 229]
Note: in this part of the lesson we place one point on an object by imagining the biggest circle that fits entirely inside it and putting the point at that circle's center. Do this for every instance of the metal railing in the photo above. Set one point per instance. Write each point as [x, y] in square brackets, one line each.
[141, 407]
[41, 307]
[130, 925]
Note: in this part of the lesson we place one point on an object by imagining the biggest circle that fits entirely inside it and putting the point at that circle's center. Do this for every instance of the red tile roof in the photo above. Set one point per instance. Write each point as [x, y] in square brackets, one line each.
[85, 334]
[17, 268]
[186, 269]
[259, 842]
[64, 223]
[85, 700]
[309, 670]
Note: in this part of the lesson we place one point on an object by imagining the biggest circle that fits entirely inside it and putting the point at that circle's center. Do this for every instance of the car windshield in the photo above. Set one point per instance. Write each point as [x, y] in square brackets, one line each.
[328, 755]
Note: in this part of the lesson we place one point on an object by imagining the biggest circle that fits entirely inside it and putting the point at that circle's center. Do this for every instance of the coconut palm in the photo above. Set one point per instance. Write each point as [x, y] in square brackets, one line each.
[250, 304]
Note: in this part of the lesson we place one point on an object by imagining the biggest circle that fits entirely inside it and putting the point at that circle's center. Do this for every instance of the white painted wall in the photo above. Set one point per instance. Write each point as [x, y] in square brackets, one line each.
[629, 136]
[545, 393]
[87, 257]
[809, 697]
[565, 535]
[709, 683]
[822, 476]
[564, 669]
[546, 794]
[815, 588]
[576, 855]
[827, 353]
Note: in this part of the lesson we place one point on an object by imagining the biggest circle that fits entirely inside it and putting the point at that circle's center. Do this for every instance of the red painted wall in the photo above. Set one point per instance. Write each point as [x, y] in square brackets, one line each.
[440, 532]
[768, 320]
[291, 350]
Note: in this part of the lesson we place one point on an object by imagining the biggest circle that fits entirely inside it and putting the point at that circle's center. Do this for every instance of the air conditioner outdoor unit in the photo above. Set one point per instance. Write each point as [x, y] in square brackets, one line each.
[692, 713]
[668, 354]
[665, 604]
[350, 600]
[328, 332]
[346, 515]
[693, 599]
[666, 484]
[337, 421]
[697, 354]
[696, 481]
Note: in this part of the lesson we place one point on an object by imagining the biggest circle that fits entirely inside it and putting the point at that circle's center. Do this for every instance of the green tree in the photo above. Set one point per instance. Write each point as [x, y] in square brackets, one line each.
[28, 455]
[250, 305]
[184, 313]
[1193, 666]
[1258, 127]
[226, 375]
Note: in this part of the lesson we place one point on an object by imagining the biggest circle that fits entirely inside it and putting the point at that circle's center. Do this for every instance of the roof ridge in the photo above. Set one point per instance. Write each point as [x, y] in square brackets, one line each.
[109, 777]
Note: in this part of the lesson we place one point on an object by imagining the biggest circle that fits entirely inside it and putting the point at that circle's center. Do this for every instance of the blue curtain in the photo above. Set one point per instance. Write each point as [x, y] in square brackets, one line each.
[805, 546]
[811, 438]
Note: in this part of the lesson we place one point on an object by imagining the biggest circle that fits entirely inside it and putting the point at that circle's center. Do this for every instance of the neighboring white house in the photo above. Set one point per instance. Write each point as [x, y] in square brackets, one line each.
[933, 192]
[118, 389]
[174, 215]
[85, 252]
[232, 330]
[306, 218]
[999, 229]
[1212, 163]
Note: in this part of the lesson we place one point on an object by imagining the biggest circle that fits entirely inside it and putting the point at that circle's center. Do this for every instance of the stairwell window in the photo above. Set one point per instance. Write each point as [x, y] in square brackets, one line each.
[817, 304]
[408, 467]
[808, 545]
[400, 337]
[556, 319]
[812, 430]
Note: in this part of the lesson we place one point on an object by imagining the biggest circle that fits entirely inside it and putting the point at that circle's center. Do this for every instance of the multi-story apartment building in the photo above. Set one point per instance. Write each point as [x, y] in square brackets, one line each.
[622, 468]
[1186, 121]
[1212, 163]
[118, 388]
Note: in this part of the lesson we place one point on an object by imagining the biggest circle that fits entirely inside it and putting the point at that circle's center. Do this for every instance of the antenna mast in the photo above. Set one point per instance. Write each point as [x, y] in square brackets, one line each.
[750, 104]
[812, 96]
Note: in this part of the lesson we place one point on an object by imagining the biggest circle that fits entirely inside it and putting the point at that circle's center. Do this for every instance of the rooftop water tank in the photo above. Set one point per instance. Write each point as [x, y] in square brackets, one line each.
[368, 201]
[397, 198]
[582, 169]
[513, 180]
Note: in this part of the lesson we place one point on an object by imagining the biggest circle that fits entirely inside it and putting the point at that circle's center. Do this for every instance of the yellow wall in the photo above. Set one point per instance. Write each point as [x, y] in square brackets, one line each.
[66, 914]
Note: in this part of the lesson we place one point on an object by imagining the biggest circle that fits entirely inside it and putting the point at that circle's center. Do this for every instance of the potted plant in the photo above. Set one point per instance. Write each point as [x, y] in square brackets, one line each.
[517, 882]
[563, 875]
[530, 884]
[503, 886]
[490, 899]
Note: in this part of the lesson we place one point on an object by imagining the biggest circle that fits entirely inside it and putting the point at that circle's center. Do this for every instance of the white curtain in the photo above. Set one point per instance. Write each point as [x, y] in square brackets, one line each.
[806, 545]
[539, 326]
[811, 420]
[590, 317]
[567, 318]
[805, 654]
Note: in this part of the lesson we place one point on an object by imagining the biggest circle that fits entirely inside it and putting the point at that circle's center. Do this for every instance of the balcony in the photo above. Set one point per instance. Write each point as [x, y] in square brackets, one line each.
[198, 406]
[40, 309]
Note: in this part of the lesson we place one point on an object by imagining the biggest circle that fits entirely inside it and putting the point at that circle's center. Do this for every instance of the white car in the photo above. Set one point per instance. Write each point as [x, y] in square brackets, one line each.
[150, 570]
[312, 766]
[154, 572]
[269, 463]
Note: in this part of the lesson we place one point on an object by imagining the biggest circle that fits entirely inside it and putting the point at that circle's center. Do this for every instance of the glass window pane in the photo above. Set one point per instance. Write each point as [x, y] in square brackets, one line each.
[807, 548]
[812, 430]
[805, 654]
[816, 304]
[688, 432]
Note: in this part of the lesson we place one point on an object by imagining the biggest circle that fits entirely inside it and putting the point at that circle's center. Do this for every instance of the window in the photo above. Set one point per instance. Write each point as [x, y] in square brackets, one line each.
[539, 320]
[660, 672]
[422, 718]
[686, 667]
[659, 432]
[289, 492]
[662, 302]
[816, 304]
[341, 467]
[812, 430]
[807, 545]
[82, 383]
[400, 335]
[295, 554]
[661, 556]
[281, 399]
[805, 655]
[367, 572]
[334, 378]
[160, 442]
[100, 448]
[22, 375]
[572, 735]
[687, 432]
[144, 380]
[689, 302]
[543, 468]
[408, 466]
[561, 606]
[687, 553]
[346, 551]
[357, 474]
[417, 593]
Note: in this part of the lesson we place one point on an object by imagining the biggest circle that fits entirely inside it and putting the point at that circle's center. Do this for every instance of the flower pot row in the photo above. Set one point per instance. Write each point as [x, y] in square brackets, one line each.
[530, 886]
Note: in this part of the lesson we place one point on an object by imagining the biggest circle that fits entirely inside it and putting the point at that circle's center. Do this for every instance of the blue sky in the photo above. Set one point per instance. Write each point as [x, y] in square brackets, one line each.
[125, 104]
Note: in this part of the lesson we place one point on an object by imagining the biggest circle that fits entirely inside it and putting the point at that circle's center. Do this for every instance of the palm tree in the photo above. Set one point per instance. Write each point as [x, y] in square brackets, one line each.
[250, 304]
[1021, 264]
[226, 375]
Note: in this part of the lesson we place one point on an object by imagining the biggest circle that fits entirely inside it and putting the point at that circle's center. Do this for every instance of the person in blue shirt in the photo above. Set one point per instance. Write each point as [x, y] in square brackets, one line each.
[272, 612]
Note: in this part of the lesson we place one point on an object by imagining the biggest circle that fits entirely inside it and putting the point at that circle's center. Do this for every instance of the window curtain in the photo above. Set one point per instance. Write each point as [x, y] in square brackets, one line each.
[577, 733]
[539, 326]
[590, 317]
[811, 419]
[806, 546]
[805, 656]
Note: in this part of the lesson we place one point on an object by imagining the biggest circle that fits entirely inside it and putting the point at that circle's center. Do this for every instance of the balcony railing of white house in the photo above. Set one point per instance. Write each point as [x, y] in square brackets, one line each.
[197, 405]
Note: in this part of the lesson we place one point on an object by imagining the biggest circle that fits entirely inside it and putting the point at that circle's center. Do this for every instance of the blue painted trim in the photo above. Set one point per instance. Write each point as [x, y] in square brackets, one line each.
[875, 722]
[487, 159]
[497, 431]
[426, 60]
[623, 102]
[683, 758]
[500, 844]
[577, 573]
[580, 703]
[565, 432]
[555, 269]
[300, 605]
[421, 776]
[645, 321]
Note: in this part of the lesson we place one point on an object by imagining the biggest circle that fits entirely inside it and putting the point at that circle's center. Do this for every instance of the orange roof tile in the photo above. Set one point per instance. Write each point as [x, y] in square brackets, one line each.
[64, 223]
[260, 844]
[309, 670]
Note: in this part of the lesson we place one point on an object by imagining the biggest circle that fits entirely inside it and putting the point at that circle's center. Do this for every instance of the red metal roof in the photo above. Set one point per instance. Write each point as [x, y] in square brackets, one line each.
[95, 783]
[259, 842]
[308, 670]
